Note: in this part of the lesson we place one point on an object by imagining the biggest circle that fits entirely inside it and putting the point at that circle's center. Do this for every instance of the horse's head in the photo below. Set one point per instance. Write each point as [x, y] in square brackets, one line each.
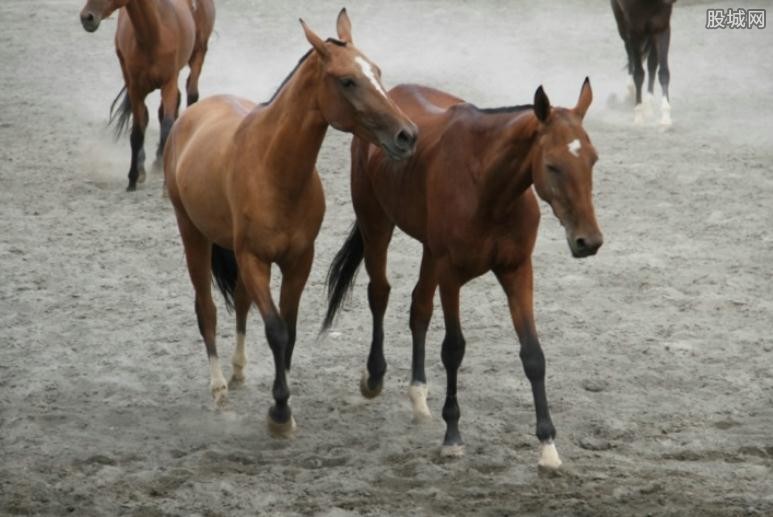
[351, 95]
[96, 10]
[563, 169]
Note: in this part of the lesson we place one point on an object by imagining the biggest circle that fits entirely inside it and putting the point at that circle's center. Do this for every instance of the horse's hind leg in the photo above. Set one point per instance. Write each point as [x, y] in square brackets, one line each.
[662, 42]
[421, 313]
[652, 65]
[196, 63]
[519, 287]
[198, 254]
[638, 78]
[376, 242]
[256, 275]
[242, 304]
[137, 138]
[170, 101]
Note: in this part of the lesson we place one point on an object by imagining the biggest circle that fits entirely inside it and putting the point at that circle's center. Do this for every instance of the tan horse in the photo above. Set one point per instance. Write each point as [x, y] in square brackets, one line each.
[154, 40]
[242, 177]
[466, 196]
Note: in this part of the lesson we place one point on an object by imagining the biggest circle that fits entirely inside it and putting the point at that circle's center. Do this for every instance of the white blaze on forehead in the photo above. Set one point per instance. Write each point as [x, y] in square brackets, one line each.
[574, 147]
[367, 69]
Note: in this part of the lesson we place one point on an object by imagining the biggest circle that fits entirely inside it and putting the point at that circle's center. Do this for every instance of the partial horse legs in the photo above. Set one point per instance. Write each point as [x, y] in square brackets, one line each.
[518, 286]
[662, 42]
[192, 84]
[198, 254]
[376, 240]
[452, 353]
[137, 138]
[256, 276]
[167, 113]
[242, 304]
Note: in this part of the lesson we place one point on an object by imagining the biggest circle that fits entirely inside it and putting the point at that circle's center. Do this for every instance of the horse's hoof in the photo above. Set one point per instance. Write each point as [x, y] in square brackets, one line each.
[236, 381]
[417, 393]
[452, 451]
[281, 429]
[132, 187]
[220, 394]
[639, 115]
[665, 114]
[548, 456]
[365, 388]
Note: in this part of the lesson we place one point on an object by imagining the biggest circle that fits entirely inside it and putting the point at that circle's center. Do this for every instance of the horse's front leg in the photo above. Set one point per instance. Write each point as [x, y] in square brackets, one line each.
[256, 275]
[170, 104]
[452, 354]
[518, 286]
[421, 313]
[294, 276]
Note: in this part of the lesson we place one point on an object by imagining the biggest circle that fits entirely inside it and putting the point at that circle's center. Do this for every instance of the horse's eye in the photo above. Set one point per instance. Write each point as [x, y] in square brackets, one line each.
[347, 82]
[553, 169]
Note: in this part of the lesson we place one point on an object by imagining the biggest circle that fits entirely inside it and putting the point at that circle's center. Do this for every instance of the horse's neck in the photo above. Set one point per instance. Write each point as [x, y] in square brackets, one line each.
[291, 129]
[507, 170]
[146, 22]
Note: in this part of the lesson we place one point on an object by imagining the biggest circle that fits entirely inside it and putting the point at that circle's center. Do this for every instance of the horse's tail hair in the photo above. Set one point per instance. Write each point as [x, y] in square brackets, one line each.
[225, 272]
[120, 117]
[343, 270]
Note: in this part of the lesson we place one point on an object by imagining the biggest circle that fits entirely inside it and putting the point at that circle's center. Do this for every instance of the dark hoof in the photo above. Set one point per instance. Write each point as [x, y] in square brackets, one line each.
[368, 388]
[132, 187]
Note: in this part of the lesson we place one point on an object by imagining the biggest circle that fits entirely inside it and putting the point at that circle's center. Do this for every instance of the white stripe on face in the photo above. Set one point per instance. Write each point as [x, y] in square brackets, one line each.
[574, 147]
[367, 69]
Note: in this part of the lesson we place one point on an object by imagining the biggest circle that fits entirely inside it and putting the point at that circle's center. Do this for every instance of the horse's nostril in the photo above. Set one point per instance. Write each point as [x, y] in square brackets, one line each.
[581, 244]
[405, 139]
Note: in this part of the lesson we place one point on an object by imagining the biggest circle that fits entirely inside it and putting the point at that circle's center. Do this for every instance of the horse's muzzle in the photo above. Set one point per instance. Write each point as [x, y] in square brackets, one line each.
[403, 144]
[90, 21]
[585, 246]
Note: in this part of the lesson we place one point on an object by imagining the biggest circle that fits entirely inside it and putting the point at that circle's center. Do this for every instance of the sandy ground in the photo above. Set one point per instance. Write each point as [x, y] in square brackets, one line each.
[659, 349]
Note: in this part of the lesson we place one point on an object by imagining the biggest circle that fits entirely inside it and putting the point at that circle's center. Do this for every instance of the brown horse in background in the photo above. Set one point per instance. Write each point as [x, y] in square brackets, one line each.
[466, 196]
[246, 192]
[645, 27]
[154, 40]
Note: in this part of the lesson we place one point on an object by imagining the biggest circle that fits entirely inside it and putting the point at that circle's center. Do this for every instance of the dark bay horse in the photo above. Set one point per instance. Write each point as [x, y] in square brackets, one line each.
[154, 40]
[645, 26]
[246, 192]
[466, 196]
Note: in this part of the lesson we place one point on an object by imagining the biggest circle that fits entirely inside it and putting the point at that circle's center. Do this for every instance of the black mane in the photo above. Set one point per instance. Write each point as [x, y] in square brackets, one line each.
[297, 66]
[506, 109]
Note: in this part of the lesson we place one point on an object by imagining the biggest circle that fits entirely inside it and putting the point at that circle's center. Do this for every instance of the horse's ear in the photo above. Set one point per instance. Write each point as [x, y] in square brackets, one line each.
[344, 26]
[586, 97]
[541, 104]
[315, 40]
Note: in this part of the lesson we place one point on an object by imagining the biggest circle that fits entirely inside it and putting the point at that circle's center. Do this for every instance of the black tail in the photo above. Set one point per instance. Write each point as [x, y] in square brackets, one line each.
[343, 270]
[225, 271]
[121, 116]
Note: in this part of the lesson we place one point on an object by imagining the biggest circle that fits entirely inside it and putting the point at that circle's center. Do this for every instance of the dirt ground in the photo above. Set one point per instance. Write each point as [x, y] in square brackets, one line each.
[659, 349]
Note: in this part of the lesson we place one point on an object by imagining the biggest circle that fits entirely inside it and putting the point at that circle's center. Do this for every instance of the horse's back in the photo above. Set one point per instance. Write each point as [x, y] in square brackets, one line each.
[196, 160]
[420, 102]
